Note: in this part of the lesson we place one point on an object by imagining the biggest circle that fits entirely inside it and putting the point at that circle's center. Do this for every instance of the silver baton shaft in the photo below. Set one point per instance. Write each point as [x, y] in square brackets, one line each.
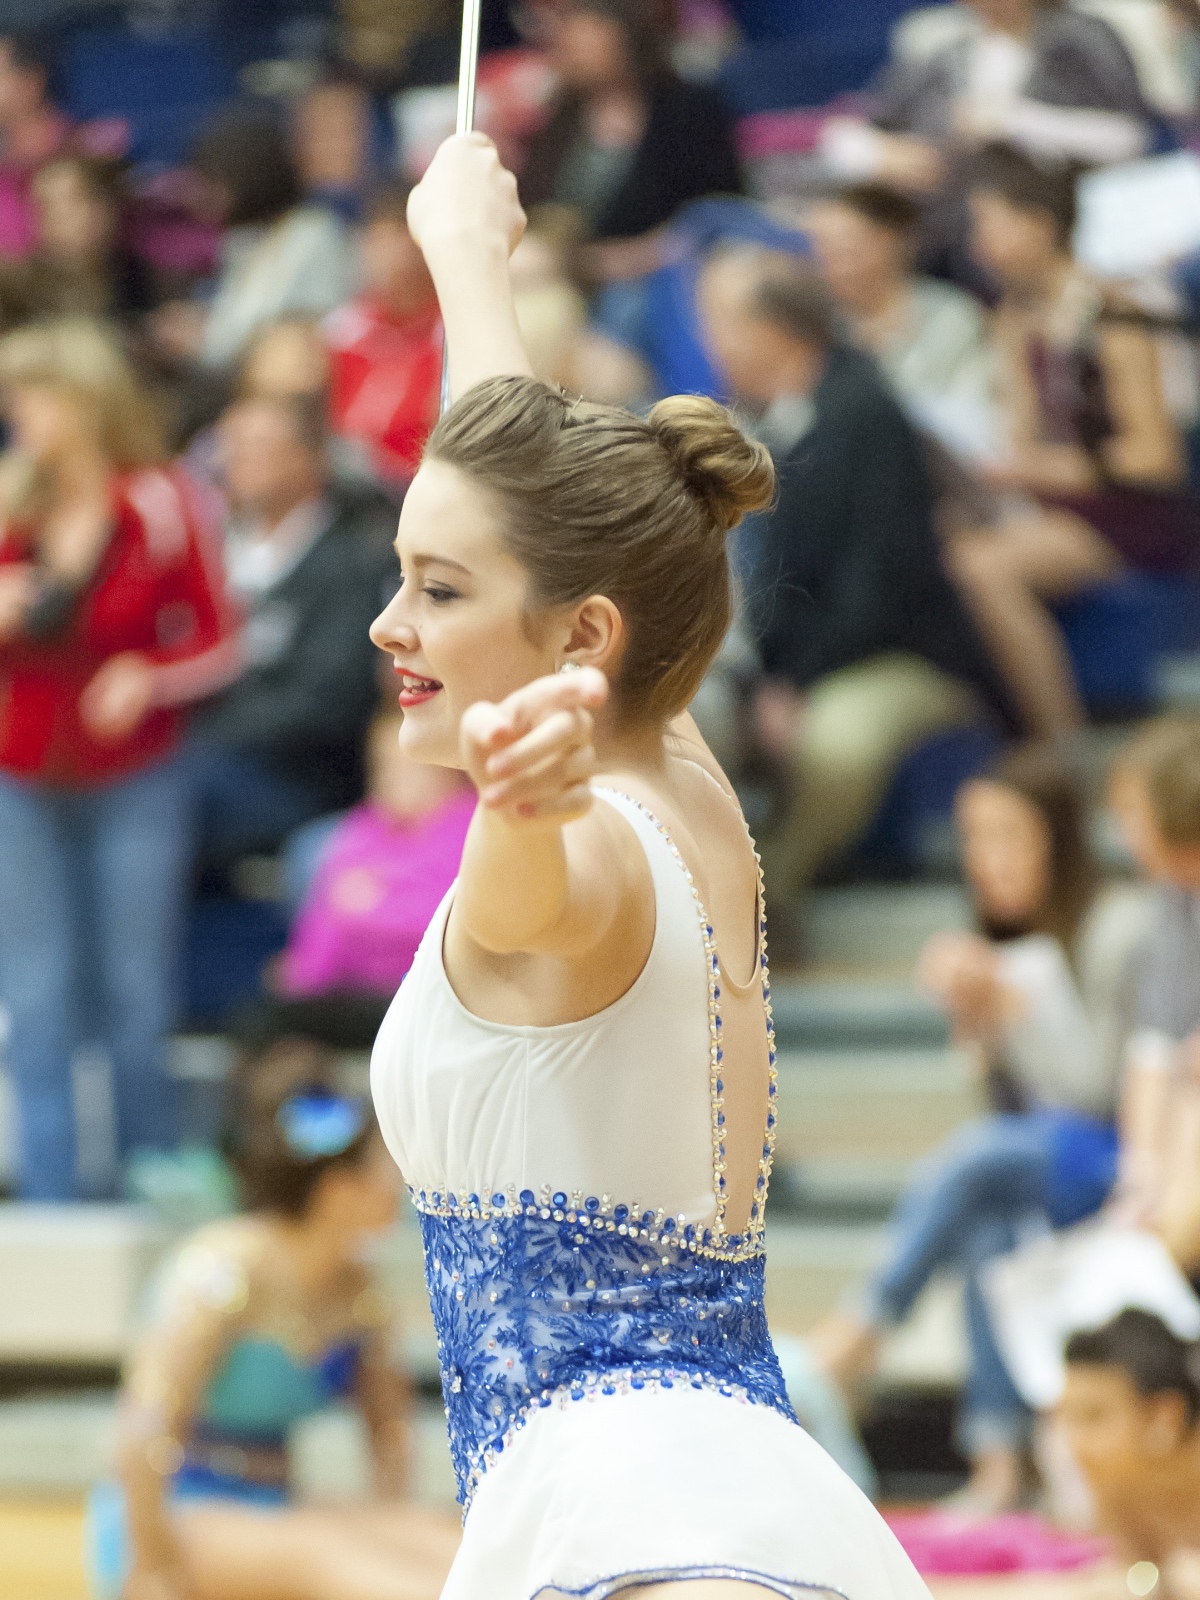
[468, 68]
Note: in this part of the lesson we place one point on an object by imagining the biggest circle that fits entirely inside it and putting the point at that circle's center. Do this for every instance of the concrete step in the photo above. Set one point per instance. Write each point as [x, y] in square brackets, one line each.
[878, 928]
[72, 1277]
[854, 1014]
[853, 1123]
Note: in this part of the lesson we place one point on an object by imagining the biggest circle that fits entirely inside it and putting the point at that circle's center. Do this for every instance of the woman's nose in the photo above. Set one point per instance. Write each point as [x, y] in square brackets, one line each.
[389, 630]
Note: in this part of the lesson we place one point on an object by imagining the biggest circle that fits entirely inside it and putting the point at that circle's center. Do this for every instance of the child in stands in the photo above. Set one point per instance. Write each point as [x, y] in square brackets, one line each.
[381, 877]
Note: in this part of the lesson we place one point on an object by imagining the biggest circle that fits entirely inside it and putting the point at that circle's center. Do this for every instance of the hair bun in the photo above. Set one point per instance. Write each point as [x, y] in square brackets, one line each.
[729, 473]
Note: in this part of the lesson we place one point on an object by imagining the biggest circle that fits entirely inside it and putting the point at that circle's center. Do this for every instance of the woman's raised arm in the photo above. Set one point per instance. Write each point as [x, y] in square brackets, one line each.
[467, 219]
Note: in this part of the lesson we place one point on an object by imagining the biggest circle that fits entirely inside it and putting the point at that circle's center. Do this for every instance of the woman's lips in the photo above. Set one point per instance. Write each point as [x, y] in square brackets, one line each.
[414, 690]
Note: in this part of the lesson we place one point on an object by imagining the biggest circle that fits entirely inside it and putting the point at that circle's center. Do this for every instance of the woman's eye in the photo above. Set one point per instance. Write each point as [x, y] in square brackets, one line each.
[438, 595]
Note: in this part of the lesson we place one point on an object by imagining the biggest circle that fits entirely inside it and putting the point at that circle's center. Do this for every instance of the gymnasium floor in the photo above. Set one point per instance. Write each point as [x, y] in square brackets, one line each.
[41, 1550]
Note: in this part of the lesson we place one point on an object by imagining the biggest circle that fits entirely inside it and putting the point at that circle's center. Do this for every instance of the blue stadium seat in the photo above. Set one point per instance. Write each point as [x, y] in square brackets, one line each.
[229, 941]
[1119, 632]
[911, 826]
[165, 85]
[783, 74]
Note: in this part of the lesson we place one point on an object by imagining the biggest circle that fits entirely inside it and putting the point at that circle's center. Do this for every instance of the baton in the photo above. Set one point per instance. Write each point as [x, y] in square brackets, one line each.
[468, 66]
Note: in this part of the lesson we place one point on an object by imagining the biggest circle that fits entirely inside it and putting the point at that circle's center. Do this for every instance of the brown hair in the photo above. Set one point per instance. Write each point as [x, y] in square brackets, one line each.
[1038, 773]
[1029, 185]
[1152, 1356]
[102, 176]
[792, 297]
[597, 501]
[274, 1176]
[1165, 756]
[886, 208]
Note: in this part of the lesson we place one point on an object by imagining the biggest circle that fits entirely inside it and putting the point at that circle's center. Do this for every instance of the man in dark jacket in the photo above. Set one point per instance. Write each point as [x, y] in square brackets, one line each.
[309, 562]
[865, 643]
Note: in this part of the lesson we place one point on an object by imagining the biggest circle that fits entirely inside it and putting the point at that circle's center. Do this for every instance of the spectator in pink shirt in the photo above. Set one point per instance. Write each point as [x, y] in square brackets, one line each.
[381, 877]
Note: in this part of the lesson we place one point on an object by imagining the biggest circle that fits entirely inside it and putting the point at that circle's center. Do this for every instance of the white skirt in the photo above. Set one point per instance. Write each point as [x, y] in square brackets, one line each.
[601, 1495]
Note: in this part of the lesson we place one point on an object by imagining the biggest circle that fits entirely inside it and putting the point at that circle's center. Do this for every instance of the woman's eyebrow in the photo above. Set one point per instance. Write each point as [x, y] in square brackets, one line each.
[419, 560]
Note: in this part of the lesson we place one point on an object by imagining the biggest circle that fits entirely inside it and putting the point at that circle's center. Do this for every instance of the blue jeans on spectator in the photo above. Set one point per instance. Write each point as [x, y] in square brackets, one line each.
[93, 884]
[967, 1206]
[241, 803]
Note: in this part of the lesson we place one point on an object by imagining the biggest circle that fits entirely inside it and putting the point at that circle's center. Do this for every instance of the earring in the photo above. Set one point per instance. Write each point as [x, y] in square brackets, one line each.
[570, 666]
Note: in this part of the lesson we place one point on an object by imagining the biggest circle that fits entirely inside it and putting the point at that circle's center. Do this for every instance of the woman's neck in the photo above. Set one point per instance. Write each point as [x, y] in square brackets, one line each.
[880, 310]
[1045, 289]
[79, 472]
[1162, 1515]
[620, 743]
[317, 1251]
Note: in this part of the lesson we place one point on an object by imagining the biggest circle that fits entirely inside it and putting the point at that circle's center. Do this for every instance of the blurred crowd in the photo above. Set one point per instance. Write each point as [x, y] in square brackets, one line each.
[216, 382]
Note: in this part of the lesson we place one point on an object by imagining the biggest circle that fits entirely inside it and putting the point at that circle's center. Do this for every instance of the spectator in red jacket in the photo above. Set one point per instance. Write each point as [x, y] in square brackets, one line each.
[386, 345]
[111, 620]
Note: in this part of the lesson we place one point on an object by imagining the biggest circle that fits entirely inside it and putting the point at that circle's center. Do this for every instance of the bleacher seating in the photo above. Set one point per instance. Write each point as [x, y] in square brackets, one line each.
[165, 85]
[1120, 633]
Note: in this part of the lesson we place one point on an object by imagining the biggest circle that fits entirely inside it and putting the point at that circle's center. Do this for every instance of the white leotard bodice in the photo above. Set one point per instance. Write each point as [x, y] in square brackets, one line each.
[617, 1106]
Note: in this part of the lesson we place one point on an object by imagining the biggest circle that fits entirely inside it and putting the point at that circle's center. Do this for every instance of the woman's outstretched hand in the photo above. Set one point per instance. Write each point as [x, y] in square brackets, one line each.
[467, 199]
[532, 756]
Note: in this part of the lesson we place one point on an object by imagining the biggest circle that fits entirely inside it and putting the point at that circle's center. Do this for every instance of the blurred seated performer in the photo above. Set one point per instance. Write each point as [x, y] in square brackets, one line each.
[283, 743]
[258, 1322]
[1130, 1414]
[382, 874]
[1042, 994]
[112, 619]
[79, 263]
[930, 338]
[628, 141]
[865, 644]
[385, 346]
[1098, 471]
[1156, 794]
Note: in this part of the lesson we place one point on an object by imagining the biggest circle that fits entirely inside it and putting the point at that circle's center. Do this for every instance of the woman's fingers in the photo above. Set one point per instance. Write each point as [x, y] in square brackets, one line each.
[561, 691]
[534, 749]
[561, 730]
[465, 188]
[556, 772]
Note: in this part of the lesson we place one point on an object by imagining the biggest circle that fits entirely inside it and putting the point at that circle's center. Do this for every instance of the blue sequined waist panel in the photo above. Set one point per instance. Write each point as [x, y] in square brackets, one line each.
[528, 1309]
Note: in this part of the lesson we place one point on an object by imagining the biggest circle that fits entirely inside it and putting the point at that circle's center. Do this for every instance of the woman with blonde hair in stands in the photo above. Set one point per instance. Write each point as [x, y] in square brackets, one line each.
[577, 1075]
[112, 619]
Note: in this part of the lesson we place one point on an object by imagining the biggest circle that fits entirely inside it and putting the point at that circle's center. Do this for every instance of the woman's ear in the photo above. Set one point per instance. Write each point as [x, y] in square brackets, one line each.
[596, 635]
[1167, 1423]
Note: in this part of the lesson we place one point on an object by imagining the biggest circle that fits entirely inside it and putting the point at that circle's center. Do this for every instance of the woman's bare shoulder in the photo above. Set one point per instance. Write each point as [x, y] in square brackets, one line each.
[695, 802]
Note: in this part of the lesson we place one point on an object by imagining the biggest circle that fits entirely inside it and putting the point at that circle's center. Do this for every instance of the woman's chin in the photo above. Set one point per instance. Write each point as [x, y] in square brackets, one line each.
[431, 747]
